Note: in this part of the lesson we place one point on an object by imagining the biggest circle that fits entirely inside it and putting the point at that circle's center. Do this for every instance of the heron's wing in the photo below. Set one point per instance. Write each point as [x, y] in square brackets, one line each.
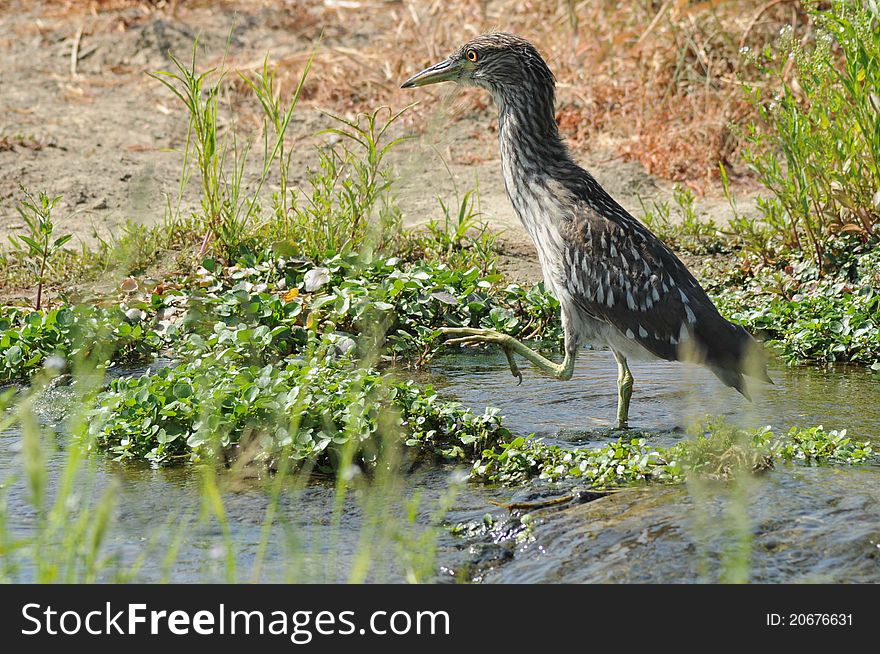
[619, 272]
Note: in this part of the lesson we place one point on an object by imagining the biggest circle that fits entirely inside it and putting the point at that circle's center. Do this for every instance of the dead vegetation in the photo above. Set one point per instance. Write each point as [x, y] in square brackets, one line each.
[654, 81]
[18, 141]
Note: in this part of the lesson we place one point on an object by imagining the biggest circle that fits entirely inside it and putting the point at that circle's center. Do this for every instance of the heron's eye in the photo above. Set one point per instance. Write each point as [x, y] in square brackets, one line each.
[472, 56]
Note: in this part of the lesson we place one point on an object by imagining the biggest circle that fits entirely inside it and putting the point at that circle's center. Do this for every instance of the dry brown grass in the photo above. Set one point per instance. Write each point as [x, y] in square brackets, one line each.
[655, 80]
[73, 7]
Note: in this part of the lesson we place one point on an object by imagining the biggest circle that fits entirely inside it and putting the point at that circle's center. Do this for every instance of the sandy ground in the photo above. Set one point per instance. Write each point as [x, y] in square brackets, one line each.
[80, 117]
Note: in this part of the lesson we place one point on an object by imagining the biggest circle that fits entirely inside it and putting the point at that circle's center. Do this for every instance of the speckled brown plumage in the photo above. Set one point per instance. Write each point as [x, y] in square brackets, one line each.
[617, 283]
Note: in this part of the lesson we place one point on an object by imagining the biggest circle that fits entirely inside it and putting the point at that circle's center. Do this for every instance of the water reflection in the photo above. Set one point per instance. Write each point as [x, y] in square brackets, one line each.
[667, 397]
[804, 524]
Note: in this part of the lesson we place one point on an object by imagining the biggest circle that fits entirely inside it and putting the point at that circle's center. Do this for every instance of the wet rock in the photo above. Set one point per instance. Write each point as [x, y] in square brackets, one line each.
[61, 380]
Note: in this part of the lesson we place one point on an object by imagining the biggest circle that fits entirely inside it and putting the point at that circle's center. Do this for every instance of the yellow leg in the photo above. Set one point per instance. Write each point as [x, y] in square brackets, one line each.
[472, 336]
[624, 391]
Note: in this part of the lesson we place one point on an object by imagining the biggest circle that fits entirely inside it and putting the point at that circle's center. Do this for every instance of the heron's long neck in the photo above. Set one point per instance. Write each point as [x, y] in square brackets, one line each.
[527, 133]
[533, 159]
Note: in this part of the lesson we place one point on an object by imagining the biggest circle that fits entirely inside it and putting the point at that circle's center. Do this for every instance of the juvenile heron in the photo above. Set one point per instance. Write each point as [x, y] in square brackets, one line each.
[616, 282]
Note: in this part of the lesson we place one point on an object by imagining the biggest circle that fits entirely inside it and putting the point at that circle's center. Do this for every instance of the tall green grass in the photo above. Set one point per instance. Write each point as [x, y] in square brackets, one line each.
[229, 204]
[347, 207]
[37, 248]
[816, 145]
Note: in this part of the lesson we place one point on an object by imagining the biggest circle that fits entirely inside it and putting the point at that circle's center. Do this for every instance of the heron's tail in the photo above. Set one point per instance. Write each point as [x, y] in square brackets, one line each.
[732, 354]
[736, 379]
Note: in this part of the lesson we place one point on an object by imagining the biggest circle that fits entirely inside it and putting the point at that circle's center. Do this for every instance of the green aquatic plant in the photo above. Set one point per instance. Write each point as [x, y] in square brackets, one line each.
[29, 338]
[265, 311]
[308, 409]
[71, 532]
[816, 445]
[716, 450]
[285, 297]
[806, 319]
[622, 462]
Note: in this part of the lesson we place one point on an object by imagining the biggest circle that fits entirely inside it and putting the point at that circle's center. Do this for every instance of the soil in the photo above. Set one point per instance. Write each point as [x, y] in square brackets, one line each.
[80, 117]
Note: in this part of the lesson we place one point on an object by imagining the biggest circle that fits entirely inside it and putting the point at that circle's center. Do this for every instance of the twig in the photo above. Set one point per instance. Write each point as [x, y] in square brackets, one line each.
[755, 18]
[791, 60]
[541, 504]
[74, 51]
[654, 22]
[552, 501]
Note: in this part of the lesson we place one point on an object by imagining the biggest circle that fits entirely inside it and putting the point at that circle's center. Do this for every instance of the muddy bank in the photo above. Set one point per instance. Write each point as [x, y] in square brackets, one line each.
[82, 119]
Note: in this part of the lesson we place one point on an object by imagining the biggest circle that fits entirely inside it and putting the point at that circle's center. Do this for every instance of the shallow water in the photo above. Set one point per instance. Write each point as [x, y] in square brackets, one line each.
[797, 523]
[667, 396]
[805, 525]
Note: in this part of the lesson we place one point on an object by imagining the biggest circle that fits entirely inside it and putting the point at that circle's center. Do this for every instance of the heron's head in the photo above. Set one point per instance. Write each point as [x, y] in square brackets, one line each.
[501, 63]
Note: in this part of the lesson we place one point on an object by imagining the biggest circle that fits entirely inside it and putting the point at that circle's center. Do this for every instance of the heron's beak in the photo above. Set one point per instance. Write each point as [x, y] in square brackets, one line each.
[445, 71]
